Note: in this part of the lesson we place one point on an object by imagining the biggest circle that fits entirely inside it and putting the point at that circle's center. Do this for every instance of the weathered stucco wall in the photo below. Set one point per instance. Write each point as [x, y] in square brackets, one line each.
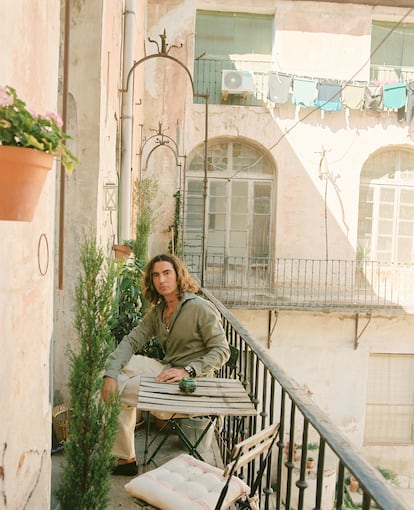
[94, 82]
[295, 138]
[29, 63]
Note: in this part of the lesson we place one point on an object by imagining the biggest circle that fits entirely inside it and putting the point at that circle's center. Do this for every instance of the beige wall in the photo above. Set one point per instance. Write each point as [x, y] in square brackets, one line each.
[29, 63]
[95, 66]
[36, 313]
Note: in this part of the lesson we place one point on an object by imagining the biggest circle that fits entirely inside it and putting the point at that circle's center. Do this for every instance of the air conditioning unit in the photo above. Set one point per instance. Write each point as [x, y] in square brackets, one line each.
[237, 82]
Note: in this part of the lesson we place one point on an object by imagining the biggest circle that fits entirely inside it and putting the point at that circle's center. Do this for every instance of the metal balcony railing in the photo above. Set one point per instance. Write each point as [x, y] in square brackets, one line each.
[308, 284]
[287, 482]
[208, 76]
[391, 73]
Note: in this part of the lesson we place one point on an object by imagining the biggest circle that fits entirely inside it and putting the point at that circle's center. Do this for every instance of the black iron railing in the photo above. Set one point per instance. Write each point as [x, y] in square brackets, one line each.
[288, 482]
[308, 284]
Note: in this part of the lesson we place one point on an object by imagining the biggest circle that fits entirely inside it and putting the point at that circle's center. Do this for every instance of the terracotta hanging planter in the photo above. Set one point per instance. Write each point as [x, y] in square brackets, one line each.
[23, 172]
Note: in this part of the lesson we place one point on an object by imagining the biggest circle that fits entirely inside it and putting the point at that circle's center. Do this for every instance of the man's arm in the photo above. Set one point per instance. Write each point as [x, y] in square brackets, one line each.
[110, 387]
[128, 346]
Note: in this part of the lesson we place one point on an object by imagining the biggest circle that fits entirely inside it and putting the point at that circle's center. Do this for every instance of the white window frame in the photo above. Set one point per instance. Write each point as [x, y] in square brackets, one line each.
[228, 173]
[390, 400]
[399, 181]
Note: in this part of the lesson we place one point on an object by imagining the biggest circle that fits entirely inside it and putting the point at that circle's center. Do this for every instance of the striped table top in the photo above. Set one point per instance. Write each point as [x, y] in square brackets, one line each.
[213, 396]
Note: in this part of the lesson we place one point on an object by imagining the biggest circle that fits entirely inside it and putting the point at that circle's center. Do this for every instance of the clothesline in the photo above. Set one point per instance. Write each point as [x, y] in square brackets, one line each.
[333, 95]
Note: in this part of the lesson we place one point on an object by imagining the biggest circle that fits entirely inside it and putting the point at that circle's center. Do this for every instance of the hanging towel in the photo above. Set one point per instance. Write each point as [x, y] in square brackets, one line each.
[304, 92]
[329, 96]
[395, 95]
[410, 102]
[374, 98]
[353, 96]
[279, 87]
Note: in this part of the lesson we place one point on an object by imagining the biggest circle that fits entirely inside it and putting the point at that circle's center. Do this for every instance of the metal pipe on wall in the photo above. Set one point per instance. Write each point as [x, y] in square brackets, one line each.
[124, 209]
[62, 175]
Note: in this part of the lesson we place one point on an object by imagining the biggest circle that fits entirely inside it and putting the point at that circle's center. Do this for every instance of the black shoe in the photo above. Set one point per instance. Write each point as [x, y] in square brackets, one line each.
[130, 469]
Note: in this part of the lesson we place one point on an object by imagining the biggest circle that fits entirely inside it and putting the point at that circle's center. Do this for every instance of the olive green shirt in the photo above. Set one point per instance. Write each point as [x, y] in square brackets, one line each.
[195, 337]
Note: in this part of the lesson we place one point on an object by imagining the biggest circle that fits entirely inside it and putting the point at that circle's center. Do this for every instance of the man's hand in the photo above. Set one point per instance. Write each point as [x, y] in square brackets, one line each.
[110, 387]
[172, 375]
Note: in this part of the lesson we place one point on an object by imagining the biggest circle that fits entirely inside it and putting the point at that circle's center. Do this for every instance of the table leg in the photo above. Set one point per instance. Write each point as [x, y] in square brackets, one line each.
[192, 448]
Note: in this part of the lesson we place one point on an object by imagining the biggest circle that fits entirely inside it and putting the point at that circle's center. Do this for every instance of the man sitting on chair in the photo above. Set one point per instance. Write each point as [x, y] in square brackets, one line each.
[188, 328]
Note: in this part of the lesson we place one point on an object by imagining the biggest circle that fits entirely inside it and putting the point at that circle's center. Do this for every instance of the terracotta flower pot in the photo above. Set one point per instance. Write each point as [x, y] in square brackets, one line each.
[22, 175]
[121, 251]
[295, 452]
[353, 484]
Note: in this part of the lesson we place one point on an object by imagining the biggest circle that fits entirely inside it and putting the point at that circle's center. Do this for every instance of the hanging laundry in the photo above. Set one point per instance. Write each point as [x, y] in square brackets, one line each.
[374, 98]
[353, 96]
[304, 92]
[329, 96]
[395, 95]
[279, 87]
[410, 102]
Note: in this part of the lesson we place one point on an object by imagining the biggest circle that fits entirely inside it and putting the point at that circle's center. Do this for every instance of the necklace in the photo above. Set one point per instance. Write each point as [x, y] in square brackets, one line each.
[168, 312]
[167, 318]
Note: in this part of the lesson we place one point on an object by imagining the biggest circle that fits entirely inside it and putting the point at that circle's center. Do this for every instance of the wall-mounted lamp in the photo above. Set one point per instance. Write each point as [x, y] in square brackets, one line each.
[110, 196]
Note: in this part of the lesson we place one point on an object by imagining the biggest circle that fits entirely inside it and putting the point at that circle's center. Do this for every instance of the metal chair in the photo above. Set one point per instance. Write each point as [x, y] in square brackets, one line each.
[190, 484]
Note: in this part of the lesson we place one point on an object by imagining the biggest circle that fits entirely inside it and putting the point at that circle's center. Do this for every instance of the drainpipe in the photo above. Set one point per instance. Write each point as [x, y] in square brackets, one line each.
[124, 214]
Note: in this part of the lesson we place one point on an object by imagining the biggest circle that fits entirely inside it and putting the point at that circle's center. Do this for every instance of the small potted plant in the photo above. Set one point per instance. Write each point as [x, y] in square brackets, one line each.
[310, 463]
[28, 143]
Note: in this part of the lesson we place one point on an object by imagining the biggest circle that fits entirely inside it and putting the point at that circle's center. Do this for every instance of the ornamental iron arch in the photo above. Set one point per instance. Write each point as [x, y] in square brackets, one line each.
[162, 52]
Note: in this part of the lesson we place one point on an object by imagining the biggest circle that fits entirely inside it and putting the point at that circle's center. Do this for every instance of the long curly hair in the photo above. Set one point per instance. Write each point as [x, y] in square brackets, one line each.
[185, 282]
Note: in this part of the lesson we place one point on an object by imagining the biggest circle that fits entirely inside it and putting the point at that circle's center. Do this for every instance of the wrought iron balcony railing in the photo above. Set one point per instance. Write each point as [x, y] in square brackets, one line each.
[288, 482]
[208, 76]
[391, 73]
[308, 284]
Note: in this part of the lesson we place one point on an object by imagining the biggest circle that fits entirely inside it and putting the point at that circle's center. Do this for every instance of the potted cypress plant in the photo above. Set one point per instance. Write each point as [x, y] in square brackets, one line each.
[93, 424]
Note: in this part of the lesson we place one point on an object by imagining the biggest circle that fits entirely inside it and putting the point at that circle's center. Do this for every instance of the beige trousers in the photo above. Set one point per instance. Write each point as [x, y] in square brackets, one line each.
[128, 384]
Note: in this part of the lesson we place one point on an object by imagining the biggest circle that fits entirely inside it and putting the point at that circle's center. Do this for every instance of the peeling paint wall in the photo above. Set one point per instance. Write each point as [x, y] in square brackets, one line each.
[29, 62]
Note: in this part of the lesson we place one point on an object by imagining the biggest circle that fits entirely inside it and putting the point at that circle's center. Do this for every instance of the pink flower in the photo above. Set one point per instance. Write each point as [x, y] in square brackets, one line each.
[54, 117]
[32, 112]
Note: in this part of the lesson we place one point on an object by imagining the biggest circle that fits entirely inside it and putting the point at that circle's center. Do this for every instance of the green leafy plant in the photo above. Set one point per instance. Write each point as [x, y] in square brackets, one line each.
[311, 446]
[153, 349]
[145, 191]
[389, 475]
[130, 303]
[21, 127]
[129, 300]
[93, 423]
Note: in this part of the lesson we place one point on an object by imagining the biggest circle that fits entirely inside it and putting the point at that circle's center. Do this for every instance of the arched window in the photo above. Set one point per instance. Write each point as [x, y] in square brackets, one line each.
[239, 204]
[386, 207]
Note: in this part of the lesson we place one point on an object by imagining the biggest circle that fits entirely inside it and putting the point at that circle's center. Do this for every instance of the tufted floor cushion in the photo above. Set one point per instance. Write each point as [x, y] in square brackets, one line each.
[185, 483]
